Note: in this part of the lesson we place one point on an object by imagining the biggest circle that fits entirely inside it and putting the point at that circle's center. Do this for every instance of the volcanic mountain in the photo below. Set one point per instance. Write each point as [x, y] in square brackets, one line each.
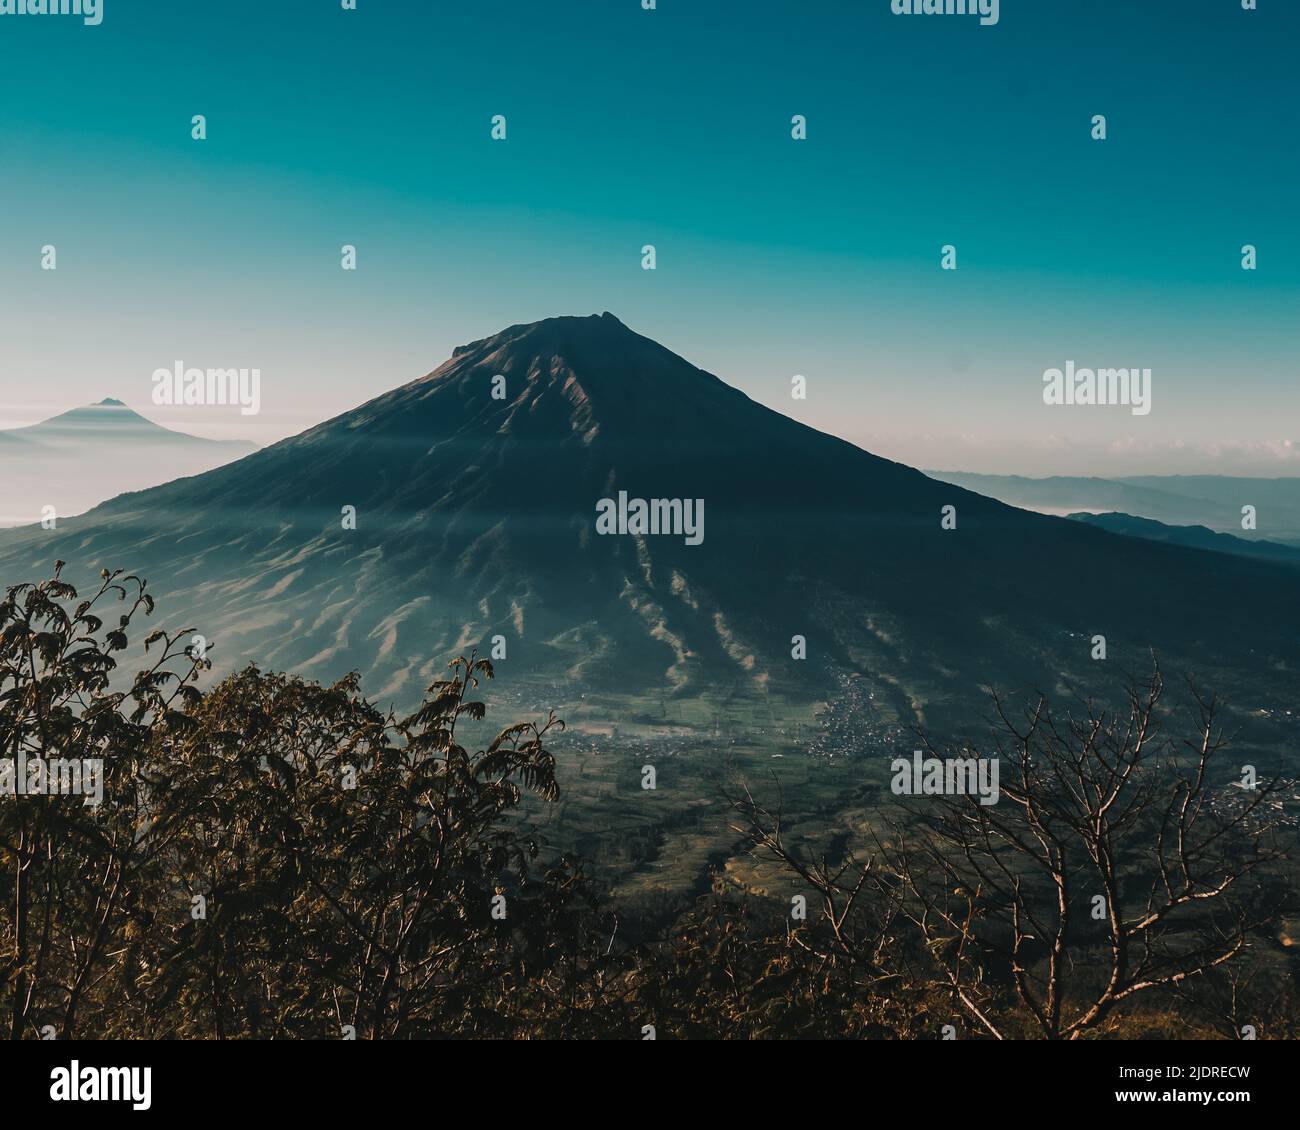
[79, 458]
[475, 517]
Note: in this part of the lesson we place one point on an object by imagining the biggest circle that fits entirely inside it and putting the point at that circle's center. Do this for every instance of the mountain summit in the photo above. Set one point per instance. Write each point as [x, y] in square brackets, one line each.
[103, 420]
[88, 454]
[463, 506]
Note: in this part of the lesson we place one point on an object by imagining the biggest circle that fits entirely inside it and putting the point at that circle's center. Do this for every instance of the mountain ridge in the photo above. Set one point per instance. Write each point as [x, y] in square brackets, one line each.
[1201, 537]
[1175, 500]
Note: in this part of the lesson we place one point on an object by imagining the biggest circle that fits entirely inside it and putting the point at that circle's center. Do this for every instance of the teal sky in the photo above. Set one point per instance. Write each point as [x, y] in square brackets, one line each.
[672, 127]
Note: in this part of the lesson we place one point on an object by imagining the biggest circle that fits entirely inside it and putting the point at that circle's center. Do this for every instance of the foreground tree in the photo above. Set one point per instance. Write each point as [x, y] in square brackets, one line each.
[352, 874]
[71, 869]
[271, 858]
[274, 858]
[1117, 860]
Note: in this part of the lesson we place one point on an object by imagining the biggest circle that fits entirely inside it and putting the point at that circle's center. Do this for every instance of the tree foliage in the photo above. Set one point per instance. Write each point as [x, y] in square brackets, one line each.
[273, 858]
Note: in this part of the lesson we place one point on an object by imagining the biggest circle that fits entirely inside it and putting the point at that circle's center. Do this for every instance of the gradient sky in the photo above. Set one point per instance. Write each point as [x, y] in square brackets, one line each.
[672, 127]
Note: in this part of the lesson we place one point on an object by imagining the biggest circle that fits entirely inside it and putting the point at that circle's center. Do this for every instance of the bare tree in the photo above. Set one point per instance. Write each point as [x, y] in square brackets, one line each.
[1116, 860]
[861, 914]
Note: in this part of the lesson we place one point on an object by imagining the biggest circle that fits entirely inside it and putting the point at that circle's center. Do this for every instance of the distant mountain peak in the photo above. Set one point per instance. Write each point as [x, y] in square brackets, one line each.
[80, 457]
[106, 413]
[113, 420]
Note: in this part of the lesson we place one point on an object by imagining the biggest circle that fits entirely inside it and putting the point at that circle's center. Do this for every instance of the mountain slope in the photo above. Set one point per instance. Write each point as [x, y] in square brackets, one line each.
[79, 458]
[475, 517]
[1214, 501]
[1197, 537]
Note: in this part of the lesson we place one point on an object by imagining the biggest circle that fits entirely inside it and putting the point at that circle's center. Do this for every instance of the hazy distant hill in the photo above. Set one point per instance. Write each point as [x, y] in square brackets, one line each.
[1276, 501]
[1199, 537]
[476, 518]
[82, 457]
[1177, 500]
